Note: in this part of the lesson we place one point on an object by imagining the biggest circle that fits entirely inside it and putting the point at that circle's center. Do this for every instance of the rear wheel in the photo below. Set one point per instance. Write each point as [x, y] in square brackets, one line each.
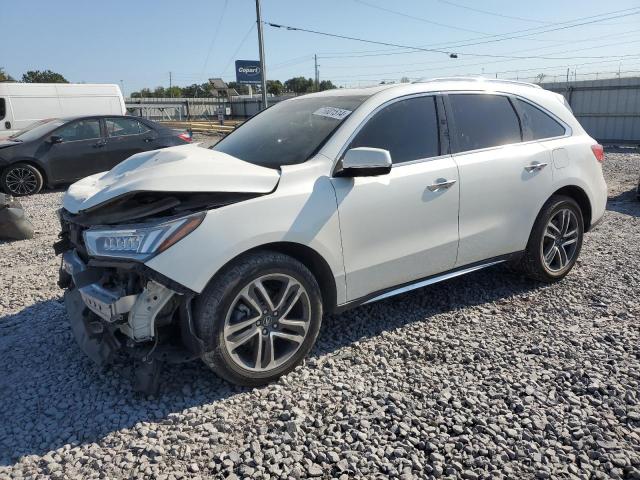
[21, 179]
[259, 318]
[555, 241]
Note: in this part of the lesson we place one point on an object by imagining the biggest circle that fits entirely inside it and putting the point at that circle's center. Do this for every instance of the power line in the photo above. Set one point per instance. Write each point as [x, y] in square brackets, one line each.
[244, 39]
[433, 50]
[486, 12]
[413, 17]
[374, 76]
[564, 27]
[531, 29]
[626, 42]
[213, 40]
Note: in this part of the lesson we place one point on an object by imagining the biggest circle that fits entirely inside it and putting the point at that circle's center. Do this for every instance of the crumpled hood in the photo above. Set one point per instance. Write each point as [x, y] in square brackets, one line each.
[187, 168]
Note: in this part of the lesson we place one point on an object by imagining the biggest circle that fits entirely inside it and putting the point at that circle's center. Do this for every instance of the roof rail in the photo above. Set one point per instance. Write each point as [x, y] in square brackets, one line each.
[478, 79]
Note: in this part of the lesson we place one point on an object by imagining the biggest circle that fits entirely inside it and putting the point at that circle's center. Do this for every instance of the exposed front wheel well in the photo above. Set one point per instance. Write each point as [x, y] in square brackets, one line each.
[579, 195]
[310, 259]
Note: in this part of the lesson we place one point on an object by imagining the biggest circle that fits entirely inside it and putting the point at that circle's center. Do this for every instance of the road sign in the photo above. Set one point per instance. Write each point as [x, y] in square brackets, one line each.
[248, 71]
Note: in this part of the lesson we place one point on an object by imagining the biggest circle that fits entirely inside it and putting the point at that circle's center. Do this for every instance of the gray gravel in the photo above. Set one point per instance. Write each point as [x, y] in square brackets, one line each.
[484, 376]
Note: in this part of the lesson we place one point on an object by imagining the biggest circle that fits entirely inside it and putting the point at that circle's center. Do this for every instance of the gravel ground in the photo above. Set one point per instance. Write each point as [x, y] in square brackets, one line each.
[484, 376]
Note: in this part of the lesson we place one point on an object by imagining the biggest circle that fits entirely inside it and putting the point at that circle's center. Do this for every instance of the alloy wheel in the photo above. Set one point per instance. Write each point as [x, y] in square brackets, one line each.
[560, 240]
[267, 322]
[21, 181]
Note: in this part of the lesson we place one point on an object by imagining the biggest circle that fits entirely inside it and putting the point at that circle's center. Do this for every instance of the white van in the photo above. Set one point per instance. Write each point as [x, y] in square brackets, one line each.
[22, 104]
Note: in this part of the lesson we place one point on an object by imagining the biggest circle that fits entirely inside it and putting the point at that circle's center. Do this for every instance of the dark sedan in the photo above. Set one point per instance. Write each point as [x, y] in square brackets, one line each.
[61, 150]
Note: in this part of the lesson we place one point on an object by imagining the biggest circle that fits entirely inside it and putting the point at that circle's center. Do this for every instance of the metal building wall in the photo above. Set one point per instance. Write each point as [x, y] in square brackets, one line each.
[609, 109]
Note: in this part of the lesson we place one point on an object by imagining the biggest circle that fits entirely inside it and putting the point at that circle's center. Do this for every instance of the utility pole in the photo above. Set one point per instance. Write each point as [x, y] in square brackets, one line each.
[263, 70]
[317, 82]
[170, 92]
[567, 75]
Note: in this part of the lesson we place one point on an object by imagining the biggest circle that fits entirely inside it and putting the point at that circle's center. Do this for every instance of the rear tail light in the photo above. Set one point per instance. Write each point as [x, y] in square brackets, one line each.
[598, 152]
[186, 136]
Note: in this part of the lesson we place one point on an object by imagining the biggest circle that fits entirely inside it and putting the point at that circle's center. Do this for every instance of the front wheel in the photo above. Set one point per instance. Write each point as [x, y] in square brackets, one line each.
[259, 318]
[21, 179]
[555, 241]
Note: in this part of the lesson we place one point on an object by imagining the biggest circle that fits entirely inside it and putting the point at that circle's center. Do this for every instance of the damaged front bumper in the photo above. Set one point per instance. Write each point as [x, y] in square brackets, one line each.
[115, 310]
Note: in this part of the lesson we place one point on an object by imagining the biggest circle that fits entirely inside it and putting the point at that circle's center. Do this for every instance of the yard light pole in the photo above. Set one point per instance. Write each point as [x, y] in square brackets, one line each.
[263, 70]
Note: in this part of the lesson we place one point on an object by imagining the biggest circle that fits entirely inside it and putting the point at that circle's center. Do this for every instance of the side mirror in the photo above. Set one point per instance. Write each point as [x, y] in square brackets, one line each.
[56, 139]
[365, 162]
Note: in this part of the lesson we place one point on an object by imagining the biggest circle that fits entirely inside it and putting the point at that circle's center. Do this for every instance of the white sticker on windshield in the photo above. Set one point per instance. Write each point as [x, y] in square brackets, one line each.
[333, 112]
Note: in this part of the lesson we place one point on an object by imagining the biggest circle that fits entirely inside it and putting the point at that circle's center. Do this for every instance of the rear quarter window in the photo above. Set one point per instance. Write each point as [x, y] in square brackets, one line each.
[483, 121]
[536, 124]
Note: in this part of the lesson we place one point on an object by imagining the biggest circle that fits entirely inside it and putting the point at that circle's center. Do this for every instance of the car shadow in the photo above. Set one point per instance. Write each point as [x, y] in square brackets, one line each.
[48, 388]
[625, 202]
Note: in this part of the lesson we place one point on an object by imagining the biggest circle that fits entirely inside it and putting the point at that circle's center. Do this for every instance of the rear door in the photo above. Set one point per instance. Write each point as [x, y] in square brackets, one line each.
[400, 227]
[126, 137]
[79, 154]
[504, 179]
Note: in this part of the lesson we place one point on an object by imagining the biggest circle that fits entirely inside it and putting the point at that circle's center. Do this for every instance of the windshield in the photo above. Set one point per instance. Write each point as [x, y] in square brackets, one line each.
[289, 132]
[37, 130]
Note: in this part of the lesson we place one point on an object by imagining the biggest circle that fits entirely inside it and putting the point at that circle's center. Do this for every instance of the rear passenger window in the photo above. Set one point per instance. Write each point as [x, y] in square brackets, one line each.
[407, 128]
[3, 108]
[484, 121]
[536, 124]
[120, 127]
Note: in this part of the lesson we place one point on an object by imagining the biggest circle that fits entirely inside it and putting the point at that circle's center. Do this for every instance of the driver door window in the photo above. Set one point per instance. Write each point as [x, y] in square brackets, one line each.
[408, 129]
[80, 130]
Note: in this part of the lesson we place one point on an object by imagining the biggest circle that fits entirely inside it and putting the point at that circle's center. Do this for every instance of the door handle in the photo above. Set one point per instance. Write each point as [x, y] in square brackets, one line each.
[534, 167]
[148, 139]
[434, 187]
[99, 144]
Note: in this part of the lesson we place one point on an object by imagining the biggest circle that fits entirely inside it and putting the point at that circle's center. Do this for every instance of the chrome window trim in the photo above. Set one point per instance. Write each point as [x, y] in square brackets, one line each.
[568, 130]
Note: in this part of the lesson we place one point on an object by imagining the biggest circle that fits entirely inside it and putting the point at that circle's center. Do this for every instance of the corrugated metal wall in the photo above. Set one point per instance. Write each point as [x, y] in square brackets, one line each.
[609, 110]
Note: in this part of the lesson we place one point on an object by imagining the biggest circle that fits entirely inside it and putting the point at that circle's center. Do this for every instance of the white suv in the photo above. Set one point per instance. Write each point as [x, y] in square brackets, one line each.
[318, 204]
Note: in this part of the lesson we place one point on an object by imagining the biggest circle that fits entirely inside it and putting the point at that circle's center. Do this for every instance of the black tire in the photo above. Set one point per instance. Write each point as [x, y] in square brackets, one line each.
[31, 177]
[532, 262]
[212, 310]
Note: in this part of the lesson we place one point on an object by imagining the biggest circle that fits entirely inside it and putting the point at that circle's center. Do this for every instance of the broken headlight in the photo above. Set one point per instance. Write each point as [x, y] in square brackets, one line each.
[139, 242]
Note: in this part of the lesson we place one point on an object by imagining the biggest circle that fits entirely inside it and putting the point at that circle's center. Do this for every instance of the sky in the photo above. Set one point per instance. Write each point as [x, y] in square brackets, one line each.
[136, 43]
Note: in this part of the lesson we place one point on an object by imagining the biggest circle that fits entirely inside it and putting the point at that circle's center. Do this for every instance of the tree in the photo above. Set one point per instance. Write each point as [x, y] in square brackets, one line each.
[174, 91]
[405, 80]
[326, 85]
[274, 87]
[299, 85]
[540, 77]
[5, 77]
[43, 76]
[159, 92]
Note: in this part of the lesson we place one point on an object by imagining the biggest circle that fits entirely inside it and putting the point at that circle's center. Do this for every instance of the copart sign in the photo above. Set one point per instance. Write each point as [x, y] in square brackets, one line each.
[248, 71]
